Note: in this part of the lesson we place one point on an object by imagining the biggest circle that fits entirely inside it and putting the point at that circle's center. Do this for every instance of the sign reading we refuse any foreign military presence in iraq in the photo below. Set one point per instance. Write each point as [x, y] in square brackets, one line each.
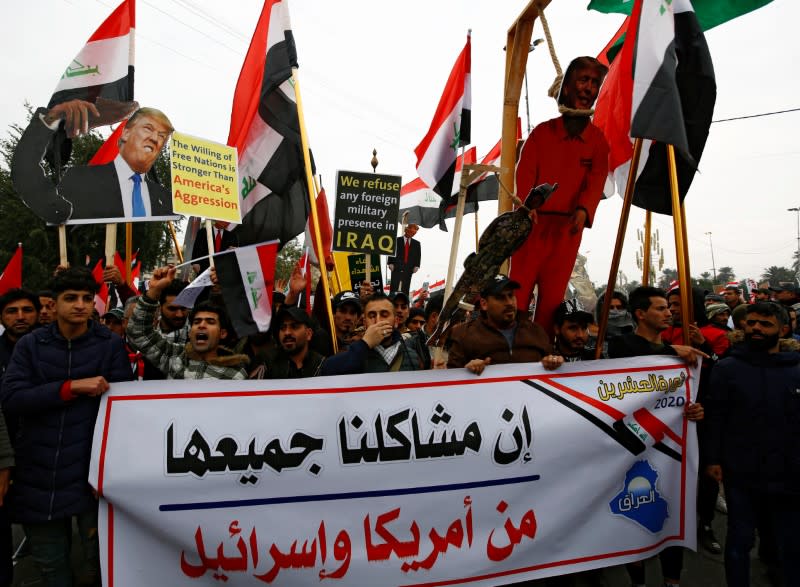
[367, 211]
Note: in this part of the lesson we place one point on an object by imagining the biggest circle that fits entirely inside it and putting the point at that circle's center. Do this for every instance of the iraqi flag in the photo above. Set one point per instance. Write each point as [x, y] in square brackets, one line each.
[325, 229]
[11, 278]
[661, 88]
[104, 67]
[247, 275]
[424, 206]
[265, 129]
[421, 203]
[450, 129]
[486, 186]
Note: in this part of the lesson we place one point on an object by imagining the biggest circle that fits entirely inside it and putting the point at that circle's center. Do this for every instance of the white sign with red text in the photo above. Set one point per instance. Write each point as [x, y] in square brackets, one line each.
[430, 478]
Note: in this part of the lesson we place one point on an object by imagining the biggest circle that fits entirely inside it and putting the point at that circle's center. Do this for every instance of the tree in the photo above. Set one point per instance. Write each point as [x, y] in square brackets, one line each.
[40, 242]
[667, 276]
[725, 275]
[705, 281]
[287, 259]
[776, 275]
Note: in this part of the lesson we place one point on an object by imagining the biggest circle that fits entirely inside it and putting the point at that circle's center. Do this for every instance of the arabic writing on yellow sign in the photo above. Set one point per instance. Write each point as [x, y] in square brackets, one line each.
[617, 390]
[204, 179]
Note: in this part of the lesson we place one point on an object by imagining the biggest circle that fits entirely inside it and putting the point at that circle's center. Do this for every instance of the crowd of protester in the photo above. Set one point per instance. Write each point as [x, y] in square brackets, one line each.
[58, 356]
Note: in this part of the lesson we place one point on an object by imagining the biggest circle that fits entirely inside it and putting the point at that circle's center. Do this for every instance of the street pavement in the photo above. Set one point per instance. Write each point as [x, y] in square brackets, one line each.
[700, 569]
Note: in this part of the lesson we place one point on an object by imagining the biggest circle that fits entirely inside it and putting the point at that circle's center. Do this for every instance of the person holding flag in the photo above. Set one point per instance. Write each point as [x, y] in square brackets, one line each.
[570, 151]
[203, 357]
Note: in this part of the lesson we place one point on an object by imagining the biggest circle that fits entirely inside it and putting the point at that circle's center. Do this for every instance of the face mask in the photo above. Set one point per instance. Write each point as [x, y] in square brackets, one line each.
[763, 344]
[616, 314]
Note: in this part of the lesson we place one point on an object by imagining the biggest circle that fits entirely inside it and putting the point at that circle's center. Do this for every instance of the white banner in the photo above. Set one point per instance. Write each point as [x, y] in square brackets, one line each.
[431, 478]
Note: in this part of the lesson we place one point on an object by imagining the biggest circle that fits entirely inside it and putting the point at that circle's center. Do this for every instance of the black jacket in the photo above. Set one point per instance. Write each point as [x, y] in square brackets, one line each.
[754, 419]
[279, 365]
[54, 441]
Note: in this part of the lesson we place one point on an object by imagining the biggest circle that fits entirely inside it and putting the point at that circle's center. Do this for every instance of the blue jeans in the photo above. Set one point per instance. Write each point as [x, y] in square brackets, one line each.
[51, 544]
[744, 505]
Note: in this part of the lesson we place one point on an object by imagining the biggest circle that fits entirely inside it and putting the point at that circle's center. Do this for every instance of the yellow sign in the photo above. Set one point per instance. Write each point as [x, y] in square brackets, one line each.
[204, 181]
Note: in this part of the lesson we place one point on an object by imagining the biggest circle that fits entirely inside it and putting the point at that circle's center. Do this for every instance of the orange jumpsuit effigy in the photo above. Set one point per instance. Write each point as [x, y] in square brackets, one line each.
[579, 165]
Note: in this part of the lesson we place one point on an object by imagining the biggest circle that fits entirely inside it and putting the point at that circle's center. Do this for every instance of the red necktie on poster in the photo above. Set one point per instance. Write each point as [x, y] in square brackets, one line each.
[217, 240]
[405, 255]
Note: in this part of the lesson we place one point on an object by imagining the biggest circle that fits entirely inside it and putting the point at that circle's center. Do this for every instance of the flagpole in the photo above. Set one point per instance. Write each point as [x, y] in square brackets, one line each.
[314, 220]
[476, 226]
[648, 220]
[623, 226]
[178, 252]
[111, 243]
[686, 259]
[210, 242]
[680, 245]
[128, 252]
[62, 245]
[462, 196]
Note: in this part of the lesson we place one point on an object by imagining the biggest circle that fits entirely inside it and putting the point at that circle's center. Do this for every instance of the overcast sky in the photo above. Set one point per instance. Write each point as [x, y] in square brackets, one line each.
[372, 72]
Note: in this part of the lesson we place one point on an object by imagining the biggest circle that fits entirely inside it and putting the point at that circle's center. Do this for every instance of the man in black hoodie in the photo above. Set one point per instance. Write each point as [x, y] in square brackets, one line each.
[754, 441]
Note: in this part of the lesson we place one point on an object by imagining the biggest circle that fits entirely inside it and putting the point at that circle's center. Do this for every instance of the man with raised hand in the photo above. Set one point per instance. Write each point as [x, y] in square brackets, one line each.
[202, 357]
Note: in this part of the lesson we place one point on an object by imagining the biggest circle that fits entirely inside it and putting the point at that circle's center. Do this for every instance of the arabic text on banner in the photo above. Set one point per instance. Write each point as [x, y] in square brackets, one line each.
[429, 478]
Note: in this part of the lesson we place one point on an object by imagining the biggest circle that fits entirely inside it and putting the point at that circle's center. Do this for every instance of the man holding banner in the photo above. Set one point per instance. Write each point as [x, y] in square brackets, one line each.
[52, 387]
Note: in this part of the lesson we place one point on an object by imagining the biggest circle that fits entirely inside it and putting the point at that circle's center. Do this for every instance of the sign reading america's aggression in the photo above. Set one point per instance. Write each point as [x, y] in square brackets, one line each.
[204, 178]
[367, 209]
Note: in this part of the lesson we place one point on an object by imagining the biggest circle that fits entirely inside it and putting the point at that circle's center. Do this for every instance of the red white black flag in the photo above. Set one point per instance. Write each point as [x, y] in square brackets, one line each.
[104, 67]
[265, 130]
[661, 87]
[450, 129]
[11, 277]
[247, 275]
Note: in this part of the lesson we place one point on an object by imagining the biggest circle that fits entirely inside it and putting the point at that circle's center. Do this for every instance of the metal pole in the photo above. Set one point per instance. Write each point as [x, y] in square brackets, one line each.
[713, 264]
[797, 210]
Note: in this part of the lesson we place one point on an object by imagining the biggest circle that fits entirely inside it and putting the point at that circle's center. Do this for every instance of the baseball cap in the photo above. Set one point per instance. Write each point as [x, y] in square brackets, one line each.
[115, 313]
[785, 287]
[712, 297]
[498, 283]
[399, 294]
[347, 297]
[294, 313]
[572, 310]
